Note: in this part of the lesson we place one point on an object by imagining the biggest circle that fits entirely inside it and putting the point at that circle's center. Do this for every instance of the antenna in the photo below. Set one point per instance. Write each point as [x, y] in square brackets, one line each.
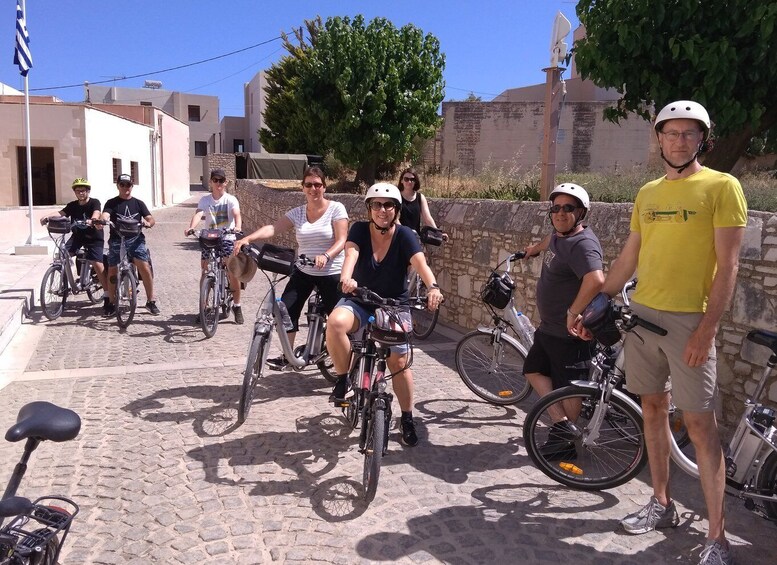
[558, 47]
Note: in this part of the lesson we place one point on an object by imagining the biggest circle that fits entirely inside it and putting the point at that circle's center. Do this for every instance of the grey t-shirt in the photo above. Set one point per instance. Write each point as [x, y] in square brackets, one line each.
[566, 261]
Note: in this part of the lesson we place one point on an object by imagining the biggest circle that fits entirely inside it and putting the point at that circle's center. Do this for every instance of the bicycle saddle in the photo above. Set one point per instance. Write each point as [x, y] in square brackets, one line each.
[15, 506]
[762, 337]
[44, 420]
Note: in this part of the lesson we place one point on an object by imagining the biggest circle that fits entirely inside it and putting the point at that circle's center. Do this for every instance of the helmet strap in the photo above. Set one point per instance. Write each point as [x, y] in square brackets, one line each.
[682, 167]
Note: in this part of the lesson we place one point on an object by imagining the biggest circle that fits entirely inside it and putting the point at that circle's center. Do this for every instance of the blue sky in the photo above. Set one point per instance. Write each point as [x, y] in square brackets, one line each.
[489, 45]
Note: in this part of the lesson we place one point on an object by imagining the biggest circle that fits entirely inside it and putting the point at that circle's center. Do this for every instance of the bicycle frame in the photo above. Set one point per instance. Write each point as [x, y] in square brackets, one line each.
[62, 257]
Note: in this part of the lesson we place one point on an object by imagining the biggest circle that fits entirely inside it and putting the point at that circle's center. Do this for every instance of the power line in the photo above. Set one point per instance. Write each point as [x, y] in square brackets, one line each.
[141, 75]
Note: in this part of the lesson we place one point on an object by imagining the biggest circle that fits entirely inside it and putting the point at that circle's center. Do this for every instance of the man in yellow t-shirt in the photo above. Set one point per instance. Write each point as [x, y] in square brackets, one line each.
[686, 232]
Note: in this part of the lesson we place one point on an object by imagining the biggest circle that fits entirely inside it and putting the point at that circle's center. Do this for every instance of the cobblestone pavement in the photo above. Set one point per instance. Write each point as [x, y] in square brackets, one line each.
[163, 475]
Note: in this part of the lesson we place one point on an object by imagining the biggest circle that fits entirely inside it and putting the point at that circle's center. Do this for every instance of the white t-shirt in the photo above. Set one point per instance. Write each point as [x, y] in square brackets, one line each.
[219, 213]
[314, 239]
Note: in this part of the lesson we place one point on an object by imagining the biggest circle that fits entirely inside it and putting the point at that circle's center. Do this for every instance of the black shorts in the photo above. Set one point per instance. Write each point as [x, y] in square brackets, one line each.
[562, 359]
[93, 249]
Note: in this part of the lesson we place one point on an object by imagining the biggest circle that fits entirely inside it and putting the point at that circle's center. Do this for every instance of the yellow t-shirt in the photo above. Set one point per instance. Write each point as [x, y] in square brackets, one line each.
[676, 221]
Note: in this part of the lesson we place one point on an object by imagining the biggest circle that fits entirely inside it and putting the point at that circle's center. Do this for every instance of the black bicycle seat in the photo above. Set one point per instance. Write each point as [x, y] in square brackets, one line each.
[763, 337]
[44, 420]
[15, 506]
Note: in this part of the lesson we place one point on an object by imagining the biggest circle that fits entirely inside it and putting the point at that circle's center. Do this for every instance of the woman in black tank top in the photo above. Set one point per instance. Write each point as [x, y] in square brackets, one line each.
[415, 209]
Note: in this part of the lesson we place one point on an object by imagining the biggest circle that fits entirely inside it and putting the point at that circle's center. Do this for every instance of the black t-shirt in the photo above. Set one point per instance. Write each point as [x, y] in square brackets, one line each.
[411, 213]
[130, 209]
[75, 211]
[389, 277]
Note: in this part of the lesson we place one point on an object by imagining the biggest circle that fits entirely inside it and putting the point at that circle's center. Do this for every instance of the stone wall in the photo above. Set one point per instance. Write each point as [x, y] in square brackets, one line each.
[484, 232]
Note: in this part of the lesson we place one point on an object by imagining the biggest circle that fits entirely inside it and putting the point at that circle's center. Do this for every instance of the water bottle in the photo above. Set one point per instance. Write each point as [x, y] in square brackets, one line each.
[287, 325]
[525, 326]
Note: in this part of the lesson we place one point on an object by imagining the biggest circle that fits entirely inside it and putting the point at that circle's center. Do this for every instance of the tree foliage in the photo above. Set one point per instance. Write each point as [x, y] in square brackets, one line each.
[717, 52]
[363, 91]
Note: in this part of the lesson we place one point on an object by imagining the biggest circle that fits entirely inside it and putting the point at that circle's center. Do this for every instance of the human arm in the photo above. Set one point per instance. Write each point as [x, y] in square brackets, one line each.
[45, 219]
[535, 249]
[728, 241]
[590, 286]
[623, 268]
[418, 261]
[349, 264]
[340, 229]
[196, 219]
[150, 221]
[238, 217]
[281, 225]
[426, 216]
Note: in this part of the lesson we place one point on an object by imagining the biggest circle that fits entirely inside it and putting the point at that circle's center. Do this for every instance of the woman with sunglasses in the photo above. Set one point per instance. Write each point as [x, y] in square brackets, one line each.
[377, 255]
[571, 276]
[321, 226]
[415, 208]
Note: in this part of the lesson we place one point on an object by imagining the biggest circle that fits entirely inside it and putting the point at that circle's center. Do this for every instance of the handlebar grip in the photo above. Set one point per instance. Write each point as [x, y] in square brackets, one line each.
[519, 255]
[649, 326]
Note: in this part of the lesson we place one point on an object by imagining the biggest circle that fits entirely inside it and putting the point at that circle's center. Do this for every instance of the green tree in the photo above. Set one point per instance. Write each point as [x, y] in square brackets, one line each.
[717, 52]
[365, 92]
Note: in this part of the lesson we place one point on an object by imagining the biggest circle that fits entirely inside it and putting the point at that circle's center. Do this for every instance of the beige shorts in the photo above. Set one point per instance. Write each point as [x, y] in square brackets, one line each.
[651, 360]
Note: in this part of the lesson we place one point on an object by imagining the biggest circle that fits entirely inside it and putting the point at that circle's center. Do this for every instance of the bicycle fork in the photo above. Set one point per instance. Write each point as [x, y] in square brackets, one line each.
[378, 399]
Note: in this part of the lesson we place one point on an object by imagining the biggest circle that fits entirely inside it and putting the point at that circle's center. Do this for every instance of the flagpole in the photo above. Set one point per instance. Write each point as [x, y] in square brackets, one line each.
[29, 149]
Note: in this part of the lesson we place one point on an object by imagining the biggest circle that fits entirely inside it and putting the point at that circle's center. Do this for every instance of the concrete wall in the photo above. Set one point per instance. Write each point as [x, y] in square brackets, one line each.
[254, 111]
[484, 232]
[509, 134]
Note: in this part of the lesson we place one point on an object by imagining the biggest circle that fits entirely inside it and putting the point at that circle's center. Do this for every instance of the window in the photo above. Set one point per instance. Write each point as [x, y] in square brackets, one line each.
[116, 169]
[200, 148]
[134, 171]
[145, 103]
[194, 113]
[237, 146]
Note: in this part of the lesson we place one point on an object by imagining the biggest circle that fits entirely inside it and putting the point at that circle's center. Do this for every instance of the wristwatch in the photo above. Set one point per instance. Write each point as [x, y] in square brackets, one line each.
[435, 285]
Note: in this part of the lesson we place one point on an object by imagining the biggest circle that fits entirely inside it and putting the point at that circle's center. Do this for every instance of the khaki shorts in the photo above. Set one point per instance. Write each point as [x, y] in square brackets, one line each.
[651, 360]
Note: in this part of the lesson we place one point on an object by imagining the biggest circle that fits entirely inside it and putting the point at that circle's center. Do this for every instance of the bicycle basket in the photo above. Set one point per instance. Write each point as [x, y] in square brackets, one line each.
[600, 317]
[128, 228]
[276, 259]
[431, 236]
[59, 225]
[210, 239]
[497, 290]
[391, 326]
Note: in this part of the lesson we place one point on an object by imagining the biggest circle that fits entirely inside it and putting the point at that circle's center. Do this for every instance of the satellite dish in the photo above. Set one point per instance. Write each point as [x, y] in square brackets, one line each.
[558, 47]
[153, 84]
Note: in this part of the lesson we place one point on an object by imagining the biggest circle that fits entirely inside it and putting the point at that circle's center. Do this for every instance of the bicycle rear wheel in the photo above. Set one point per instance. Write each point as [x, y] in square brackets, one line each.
[612, 459]
[53, 292]
[257, 355]
[95, 291]
[424, 321]
[327, 367]
[373, 452]
[209, 307]
[767, 483]
[493, 371]
[126, 299]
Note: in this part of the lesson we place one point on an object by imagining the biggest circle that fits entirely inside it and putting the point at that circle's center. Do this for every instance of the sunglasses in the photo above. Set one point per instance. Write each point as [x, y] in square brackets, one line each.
[81, 190]
[218, 181]
[408, 179]
[125, 184]
[376, 206]
[568, 208]
[313, 184]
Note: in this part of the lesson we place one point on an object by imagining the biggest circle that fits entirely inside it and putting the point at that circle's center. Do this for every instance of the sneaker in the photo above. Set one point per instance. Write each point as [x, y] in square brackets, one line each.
[341, 392]
[407, 428]
[561, 442]
[238, 315]
[653, 516]
[106, 303]
[152, 307]
[109, 310]
[277, 363]
[715, 554]
[197, 320]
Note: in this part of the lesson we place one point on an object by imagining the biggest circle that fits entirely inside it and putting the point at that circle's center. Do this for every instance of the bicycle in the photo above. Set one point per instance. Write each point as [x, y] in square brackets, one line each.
[424, 321]
[370, 405]
[37, 529]
[489, 359]
[215, 293]
[59, 281]
[126, 292]
[272, 315]
[608, 439]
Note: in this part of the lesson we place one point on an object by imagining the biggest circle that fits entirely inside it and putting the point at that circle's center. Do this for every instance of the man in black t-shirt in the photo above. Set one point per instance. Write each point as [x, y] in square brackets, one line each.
[91, 237]
[126, 207]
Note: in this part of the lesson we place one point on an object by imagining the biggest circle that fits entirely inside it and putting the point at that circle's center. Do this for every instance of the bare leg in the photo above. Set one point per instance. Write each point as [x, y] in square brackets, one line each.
[339, 324]
[655, 410]
[403, 382]
[148, 280]
[99, 270]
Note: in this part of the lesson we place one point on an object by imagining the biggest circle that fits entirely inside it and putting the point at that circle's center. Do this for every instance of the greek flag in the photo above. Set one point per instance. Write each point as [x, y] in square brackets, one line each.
[22, 56]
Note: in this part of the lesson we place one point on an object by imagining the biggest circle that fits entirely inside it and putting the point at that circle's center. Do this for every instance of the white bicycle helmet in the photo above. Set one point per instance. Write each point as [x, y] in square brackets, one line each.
[684, 109]
[383, 190]
[574, 190]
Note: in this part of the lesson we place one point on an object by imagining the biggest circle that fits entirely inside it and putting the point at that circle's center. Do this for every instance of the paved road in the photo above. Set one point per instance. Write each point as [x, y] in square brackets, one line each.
[163, 475]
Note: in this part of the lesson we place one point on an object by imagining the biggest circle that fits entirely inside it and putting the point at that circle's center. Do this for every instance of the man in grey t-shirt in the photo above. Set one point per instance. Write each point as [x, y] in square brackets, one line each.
[571, 276]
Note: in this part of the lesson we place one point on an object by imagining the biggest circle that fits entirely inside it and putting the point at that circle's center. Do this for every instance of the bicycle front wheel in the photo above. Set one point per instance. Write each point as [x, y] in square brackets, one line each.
[209, 307]
[257, 355]
[373, 452]
[424, 321]
[53, 291]
[327, 367]
[767, 483]
[492, 370]
[126, 299]
[605, 456]
[95, 291]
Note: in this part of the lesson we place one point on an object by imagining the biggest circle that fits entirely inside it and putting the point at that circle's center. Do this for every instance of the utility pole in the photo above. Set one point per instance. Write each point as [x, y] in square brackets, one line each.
[558, 50]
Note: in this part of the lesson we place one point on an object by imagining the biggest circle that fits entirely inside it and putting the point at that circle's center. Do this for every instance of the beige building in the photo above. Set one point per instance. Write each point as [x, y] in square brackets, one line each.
[199, 112]
[241, 134]
[79, 140]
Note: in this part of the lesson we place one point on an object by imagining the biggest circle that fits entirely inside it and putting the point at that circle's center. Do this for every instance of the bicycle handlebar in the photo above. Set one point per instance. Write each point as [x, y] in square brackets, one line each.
[369, 297]
[224, 231]
[630, 320]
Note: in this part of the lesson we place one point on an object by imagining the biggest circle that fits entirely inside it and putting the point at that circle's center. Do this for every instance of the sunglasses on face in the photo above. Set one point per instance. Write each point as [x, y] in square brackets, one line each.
[81, 190]
[313, 184]
[568, 208]
[377, 206]
[408, 179]
[218, 181]
[125, 184]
